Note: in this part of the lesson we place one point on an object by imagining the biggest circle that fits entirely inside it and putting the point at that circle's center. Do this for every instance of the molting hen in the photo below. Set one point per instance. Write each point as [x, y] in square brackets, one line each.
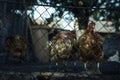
[90, 46]
[60, 48]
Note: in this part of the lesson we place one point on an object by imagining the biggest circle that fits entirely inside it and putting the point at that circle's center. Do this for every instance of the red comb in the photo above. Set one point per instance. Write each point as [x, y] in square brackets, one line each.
[91, 26]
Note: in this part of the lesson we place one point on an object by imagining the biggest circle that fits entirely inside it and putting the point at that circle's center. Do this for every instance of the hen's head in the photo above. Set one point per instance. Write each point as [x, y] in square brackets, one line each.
[91, 27]
[62, 35]
[67, 34]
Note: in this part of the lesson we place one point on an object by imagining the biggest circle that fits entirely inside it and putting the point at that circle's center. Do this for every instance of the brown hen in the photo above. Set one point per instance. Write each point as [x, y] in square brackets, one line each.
[90, 45]
[16, 46]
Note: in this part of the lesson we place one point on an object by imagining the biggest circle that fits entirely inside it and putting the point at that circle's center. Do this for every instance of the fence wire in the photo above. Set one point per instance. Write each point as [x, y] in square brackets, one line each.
[48, 20]
[40, 26]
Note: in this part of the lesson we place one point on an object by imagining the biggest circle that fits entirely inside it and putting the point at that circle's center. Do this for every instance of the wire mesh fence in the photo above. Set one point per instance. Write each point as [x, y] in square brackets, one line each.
[36, 32]
[54, 21]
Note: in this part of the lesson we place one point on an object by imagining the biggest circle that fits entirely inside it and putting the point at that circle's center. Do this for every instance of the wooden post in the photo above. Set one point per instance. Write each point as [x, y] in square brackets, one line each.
[40, 39]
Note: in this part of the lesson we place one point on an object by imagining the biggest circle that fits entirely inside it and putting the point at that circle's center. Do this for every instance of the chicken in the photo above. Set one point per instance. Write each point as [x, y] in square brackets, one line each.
[60, 47]
[16, 46]
[90, 46]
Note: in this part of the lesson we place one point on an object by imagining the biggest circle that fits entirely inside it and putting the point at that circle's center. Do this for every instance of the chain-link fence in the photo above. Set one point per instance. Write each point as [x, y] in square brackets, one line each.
[33, 32]
[51, 20]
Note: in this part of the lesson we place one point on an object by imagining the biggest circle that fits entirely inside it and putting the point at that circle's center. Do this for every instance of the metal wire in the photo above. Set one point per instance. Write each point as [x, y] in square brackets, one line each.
[49, 30]
[52, 5]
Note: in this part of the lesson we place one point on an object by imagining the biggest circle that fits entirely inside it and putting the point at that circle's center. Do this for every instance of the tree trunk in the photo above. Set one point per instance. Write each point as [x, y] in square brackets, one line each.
[83, 19]
[83, 23]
